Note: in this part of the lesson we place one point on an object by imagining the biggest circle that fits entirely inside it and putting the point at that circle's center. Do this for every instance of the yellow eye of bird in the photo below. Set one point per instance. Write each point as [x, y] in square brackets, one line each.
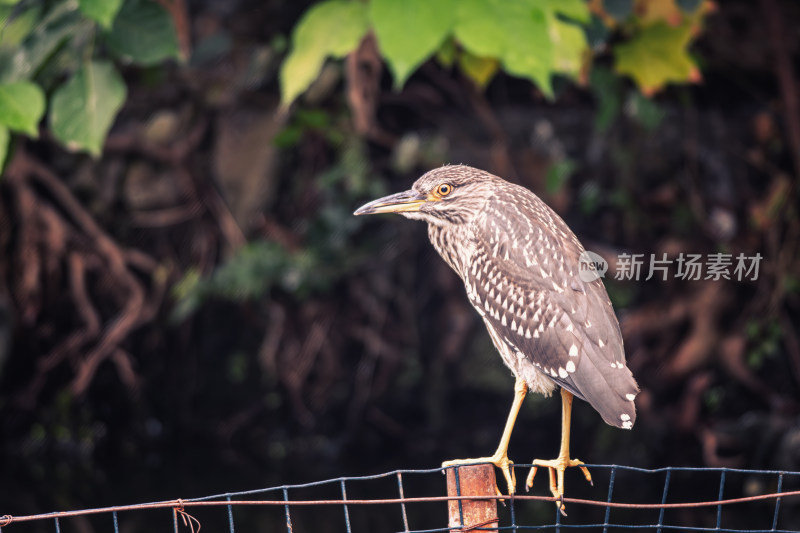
[444, 189]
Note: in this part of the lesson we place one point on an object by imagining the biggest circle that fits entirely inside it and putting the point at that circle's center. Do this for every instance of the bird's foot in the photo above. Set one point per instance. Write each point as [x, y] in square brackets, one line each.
[501, 461]
[556, 468]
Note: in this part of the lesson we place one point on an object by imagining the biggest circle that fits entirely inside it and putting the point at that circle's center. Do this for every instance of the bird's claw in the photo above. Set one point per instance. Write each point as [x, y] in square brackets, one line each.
[500, 461]
[556, 468]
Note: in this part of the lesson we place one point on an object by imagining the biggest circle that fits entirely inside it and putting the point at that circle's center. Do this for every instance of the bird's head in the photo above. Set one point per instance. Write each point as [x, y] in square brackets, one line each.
[444, 196]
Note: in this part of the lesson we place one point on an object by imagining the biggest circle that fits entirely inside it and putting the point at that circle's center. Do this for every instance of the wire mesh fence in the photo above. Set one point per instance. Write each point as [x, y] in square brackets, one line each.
[413, 501]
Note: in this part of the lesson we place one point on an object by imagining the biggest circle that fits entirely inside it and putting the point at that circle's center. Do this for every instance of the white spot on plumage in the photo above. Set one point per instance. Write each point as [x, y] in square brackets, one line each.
[513, 324]
[573, 351]
[624, 417]
[587, 323]
[503, 320]
[557, 288]
[535, 334]
[562, 373]
[630, 397]
[570, 366]
[569, 327]
[544, 273]
[601, 343]
[627, 424]
[520, 330]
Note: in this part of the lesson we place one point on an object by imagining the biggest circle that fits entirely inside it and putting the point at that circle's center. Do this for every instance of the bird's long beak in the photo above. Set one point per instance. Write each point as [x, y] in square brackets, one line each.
[404, 201]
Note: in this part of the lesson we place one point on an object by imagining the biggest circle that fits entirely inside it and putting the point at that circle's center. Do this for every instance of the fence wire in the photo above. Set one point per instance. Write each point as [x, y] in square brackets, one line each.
[411, 501]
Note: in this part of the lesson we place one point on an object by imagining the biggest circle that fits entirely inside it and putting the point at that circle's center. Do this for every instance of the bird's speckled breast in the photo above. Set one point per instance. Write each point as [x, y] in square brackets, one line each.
[456, 245]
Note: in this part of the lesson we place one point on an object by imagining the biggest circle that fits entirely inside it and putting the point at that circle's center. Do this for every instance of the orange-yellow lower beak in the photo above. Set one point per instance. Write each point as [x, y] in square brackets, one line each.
[400, 202]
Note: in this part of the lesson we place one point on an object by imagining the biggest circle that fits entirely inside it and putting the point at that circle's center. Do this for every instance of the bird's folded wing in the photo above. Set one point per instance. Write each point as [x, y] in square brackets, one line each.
[535, 302]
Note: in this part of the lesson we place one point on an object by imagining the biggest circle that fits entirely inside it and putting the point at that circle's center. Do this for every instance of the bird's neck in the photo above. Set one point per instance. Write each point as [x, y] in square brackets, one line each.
[452, 242]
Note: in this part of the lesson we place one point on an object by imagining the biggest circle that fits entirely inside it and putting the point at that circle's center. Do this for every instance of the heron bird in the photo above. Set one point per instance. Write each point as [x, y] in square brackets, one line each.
[519, 262]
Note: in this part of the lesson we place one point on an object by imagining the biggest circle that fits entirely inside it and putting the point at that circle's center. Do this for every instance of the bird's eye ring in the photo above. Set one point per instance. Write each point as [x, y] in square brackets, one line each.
[444, 189]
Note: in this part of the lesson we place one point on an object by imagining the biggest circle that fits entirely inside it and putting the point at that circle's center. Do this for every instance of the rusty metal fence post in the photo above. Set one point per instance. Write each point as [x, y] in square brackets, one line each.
[467, 515]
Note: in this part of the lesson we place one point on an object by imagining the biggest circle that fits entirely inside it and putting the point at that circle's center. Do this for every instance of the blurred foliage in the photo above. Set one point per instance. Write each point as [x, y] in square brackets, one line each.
[558, 174]
[308, 121]
[326, 254]
[68, 49]
[532, 39]
[765, 342]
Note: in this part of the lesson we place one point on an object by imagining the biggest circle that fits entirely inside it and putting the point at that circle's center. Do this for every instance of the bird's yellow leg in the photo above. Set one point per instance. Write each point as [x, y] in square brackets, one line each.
[500, 458]
[562, 462]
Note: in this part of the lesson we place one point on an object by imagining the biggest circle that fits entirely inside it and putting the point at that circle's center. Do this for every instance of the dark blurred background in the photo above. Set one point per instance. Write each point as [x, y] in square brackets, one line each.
[197, 311]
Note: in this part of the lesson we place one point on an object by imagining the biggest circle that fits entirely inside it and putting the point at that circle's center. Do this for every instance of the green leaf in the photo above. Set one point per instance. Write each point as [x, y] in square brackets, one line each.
[657, 56]
[577, 10]
[23, 62]
[83, 109]
[101, 11]
[481, 70]
[5, 143]
[606, 87]
[446, 54]
[22, 104]
[514, 32]
[569, 45]
[143, 33]
[532, 55]
[410, 31]
[479, 27]
[16, 22]
[332, 28]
